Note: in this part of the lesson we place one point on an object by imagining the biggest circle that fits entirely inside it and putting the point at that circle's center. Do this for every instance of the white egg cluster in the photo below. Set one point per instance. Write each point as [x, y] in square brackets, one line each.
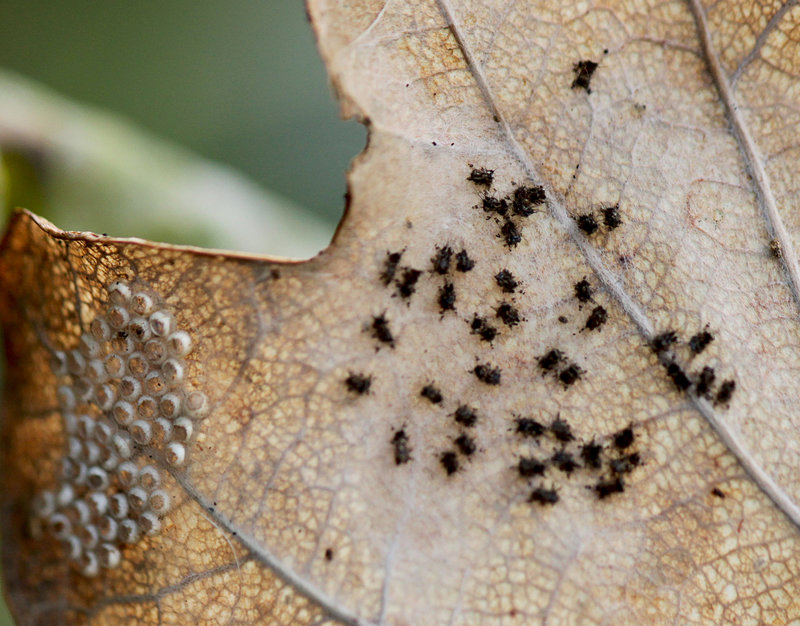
[125, 412]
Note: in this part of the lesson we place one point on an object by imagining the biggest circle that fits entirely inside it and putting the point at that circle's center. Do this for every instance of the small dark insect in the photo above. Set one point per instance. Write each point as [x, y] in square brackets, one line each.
[430, 392]
[505, 280]
[447, 297]
[358, 383]
[590, 453]
[122, 334]
[402, 453]
[716, 491]
[487, 374]
[390, 266]
[525, 198]
[543, 496]
[583, 290]
[725, 392]
[406, 285]
[563, 319]
[564, 461]
[329, 555]
[508, 314]
[611, 217]
[486, 331]
[700, 341]
[380, 330]
[551, 359]
[569, 375]
[663, 341]
[587, 223]
[624, 438]
[528, 427]
[610, 486]
[775, 248]
[561, 430]
[441, 260]
[583, 74]
[495, 205]
[528, 466]
[625, 464]
[481, 176]
[597, 318]
[465, 416]
[463, 262]
[449, 462]
[704, 381]
[678, 376]
[510, 234]
[466, 444]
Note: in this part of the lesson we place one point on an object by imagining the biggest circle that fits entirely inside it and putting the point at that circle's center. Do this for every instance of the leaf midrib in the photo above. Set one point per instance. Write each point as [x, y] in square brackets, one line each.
[611, 281]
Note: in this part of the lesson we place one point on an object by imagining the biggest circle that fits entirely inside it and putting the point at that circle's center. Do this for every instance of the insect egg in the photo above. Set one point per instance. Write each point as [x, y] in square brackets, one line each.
[161, 323]
[142, 304]
[179, 344]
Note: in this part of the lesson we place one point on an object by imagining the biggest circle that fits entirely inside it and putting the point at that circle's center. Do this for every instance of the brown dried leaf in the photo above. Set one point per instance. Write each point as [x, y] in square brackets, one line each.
[301, 500]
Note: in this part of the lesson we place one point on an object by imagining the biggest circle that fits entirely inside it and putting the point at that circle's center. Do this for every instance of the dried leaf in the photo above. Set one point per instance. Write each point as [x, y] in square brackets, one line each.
[361, 452]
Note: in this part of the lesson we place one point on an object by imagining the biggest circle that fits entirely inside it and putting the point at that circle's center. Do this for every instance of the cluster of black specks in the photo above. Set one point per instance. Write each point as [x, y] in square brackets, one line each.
[570, 374]
[449, 461]
[590, 224]
[611, 217]
[526, 198]
[583, 290]
[465, 444]
[564, 461]
[583, 74]
[495, 205]
[550, 360]
[402, 451]
[543, 495]
[703, 381]
[528, 467]
[590, 454]
[725, 392]
[587, 223]
[597, 318]
[432, 394]
[506, 281]
[678, 376]
[561, 430]
[481, 176]
[466, 416]
[381, 331]
[510, 234]
[528, 427]
[463, 262]
[358, 383]
[390, 266]
[406, 285]
[447, 297]
[717, 492]
[483, 329]
[663, 341]
[441, 260]
[508, 314]
[624, 463]
[700, 341]
[487, 374]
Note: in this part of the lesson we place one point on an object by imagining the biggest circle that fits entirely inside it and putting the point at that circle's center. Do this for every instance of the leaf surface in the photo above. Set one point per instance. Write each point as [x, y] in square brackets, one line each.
[357, 454]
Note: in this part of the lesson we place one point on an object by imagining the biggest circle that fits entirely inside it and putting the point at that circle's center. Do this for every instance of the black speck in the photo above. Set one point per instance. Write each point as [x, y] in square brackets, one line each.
[528, 466]
[590, 453]
[597, 318]
[678, 376]
[390, 266]
[625, 464]
[406, 285]
[481, 176]
[495, 205]
[624, 438]
[358, 383]
[329, 555]
[570, 374]
[543, 496]
[551, 359]
[447, 297]
[611, 217]
[506, 281]
[487, 374]
[463, 262]
[563, 319]
[122, 334]
[449, 462]
[380, 330]
[430, 392]
[402, 453]
[583, 290]
[510, 234]
[528, 427]
[441, 260]
[716, 491]
[465, 416]
[482, 328]
[587, 223]
[663, 341]
[525, 198]
[508, 314]
[564, 461]
[561, 430]
[610, 486]
[465, 444]
[704, 381]
[275, 274]
[583, 74]
[725, 392]
[700, 341]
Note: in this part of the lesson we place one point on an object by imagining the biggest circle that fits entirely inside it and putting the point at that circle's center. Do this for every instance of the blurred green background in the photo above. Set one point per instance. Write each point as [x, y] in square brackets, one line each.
[239, 83]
